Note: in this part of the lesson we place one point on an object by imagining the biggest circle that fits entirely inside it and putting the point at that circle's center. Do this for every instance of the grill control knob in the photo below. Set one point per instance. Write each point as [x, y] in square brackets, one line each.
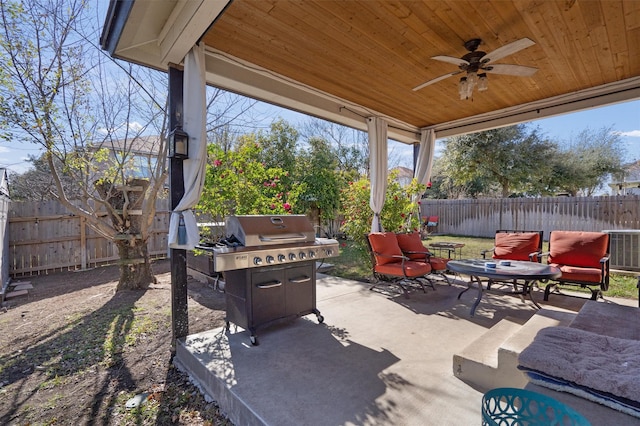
[257, 260]
[270, 259]
[281, 258]
[292, 256]
[312, 254]
[329, 252]
[302, 255]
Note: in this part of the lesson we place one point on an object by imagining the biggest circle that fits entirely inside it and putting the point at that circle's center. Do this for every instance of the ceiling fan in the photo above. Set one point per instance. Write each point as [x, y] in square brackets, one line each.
[476, 64]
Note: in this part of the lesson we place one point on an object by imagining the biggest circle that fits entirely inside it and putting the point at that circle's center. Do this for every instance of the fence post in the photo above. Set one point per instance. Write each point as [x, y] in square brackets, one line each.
[83, 243]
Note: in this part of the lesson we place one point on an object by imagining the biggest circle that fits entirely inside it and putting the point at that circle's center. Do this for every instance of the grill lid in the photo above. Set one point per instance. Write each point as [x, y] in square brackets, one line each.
[261, 230]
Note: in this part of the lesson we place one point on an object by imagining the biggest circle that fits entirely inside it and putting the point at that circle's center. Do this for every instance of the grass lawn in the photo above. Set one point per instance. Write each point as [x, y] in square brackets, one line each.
[354, 265]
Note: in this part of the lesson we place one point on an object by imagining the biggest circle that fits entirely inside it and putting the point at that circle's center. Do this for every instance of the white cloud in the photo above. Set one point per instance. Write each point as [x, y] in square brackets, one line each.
[4, 149]
[631, 134]
[133, 126]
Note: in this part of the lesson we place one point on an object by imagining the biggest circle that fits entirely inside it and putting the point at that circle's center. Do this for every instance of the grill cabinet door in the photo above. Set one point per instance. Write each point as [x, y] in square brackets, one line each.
[267, 295]
[300, 289]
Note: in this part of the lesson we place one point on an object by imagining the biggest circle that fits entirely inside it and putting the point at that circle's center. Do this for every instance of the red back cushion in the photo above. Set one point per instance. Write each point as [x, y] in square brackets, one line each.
[577, 248]
[386, 244]
[516, 245]
[412, 242]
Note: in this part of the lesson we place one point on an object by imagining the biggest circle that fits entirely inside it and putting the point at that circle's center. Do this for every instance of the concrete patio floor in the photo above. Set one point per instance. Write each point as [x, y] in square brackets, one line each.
[378, 358]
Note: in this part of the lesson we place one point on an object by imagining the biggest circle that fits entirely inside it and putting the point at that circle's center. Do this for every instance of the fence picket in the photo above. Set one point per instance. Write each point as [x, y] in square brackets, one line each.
[44, 236]
[482, 217]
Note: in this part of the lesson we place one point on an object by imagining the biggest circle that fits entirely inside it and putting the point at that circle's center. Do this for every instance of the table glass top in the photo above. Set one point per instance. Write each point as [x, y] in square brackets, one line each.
[505, 270]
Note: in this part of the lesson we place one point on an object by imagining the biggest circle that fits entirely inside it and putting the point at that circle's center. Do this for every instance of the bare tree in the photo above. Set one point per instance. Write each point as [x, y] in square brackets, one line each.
[102, 124]
[350, 146]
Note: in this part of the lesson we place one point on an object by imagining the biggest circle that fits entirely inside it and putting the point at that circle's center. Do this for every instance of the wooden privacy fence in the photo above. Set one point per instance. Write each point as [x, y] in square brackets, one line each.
[45, 236]
[482, 217]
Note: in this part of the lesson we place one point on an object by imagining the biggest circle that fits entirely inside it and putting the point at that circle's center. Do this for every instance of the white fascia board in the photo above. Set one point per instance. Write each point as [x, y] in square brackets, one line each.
[188, 21]
[607, 94]
[232, 74]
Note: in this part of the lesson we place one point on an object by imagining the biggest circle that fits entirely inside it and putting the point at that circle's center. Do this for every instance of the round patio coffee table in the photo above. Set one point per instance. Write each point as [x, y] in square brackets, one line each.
[511, 271]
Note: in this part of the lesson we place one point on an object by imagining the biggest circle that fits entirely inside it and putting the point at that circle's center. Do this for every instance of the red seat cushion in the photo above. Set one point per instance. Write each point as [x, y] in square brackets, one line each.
[412, 243]
[576, 273]
[438, 263]
[578, 248]
[516, 245]
[411, 269]
[385, 246]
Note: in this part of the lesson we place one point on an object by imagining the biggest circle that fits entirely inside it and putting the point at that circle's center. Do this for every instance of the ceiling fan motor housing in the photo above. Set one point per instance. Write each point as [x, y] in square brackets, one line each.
[474, 61]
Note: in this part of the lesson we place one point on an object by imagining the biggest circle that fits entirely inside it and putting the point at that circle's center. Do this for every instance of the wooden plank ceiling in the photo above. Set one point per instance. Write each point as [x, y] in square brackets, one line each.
[373, 53]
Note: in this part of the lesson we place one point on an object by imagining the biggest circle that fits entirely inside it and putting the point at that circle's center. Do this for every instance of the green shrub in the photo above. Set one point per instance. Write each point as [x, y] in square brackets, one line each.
[399, 214]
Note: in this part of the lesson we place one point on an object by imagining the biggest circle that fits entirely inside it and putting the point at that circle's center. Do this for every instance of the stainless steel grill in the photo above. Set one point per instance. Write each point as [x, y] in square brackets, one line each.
[255, 241]
[269, 265]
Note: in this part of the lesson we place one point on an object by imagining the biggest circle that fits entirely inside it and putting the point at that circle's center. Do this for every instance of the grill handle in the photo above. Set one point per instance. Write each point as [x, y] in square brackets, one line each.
[300, 280]
[284, 237]
[270, 284]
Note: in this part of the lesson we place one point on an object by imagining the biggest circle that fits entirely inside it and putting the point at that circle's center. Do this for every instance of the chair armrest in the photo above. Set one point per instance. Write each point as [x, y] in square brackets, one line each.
[392, 256]
[427, 254]
[536, 256]
[484, 252]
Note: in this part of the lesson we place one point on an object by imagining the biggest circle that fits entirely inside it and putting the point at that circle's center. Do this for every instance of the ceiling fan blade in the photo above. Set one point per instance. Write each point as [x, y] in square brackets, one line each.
[508, 49]
[509, 69]
[435, 80]
[451, 60]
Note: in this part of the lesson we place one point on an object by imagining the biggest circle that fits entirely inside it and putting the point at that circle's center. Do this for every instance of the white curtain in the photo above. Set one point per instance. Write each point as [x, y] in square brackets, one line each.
[377, 167]
[194, 121]
[425, 156]
[422, 173]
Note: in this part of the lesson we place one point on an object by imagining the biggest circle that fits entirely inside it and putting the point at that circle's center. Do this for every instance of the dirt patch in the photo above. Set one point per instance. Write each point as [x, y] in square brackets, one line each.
[75, 351]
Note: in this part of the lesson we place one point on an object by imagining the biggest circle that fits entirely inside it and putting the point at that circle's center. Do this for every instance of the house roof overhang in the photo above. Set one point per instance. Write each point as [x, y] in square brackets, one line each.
[346, 60]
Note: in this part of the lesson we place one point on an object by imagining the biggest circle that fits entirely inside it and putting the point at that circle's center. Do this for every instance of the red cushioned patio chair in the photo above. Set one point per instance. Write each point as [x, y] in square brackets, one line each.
[390, 266]
[412, 247]
[515, 245]
[583, 258]
[432, 223]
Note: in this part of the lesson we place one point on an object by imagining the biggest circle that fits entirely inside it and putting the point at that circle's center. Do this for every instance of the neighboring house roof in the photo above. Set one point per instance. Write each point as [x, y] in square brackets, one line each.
[404, 175]
[404, 172]
[144, 145]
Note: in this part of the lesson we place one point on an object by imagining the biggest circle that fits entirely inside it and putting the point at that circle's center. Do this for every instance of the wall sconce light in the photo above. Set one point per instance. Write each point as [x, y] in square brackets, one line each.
[178, 144]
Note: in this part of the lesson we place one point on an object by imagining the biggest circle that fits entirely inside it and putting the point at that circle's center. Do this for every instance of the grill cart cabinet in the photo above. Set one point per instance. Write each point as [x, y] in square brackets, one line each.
[257, 297]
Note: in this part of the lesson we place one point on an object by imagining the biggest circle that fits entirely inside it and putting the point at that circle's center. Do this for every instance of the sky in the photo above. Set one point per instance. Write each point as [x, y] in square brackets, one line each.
[623, 118]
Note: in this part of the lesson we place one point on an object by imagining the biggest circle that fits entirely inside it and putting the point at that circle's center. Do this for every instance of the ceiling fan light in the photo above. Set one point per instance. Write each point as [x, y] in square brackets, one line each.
[483, 82]
[472, 77]
[463, 86]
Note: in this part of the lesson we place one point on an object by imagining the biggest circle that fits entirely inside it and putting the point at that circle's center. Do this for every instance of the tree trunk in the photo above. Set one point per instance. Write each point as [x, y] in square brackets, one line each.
[128, 218]
[135, 265]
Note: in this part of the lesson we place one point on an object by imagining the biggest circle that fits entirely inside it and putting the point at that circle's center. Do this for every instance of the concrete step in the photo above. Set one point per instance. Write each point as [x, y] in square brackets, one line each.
[16, 293]
[477, 364]
[491, 361]
[511, 348]
[21, 286]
